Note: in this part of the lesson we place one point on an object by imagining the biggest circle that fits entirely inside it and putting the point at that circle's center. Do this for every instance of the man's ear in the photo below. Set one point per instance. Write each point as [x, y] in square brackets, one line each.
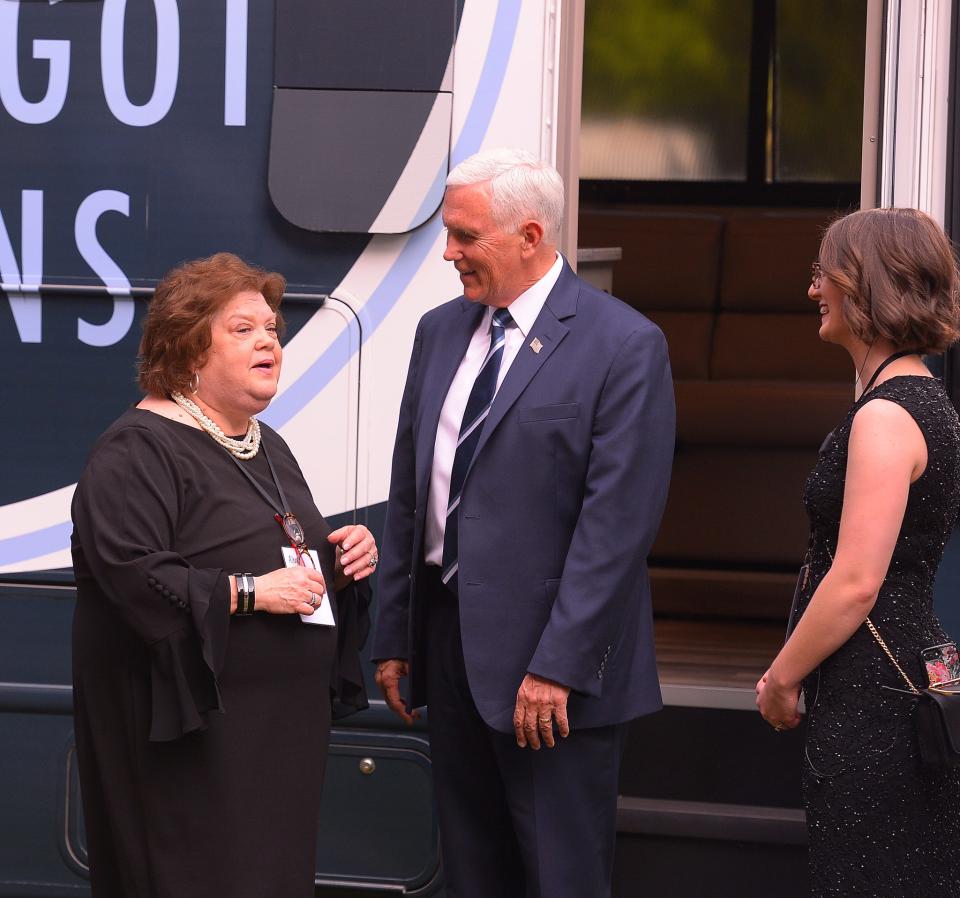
[531, 233]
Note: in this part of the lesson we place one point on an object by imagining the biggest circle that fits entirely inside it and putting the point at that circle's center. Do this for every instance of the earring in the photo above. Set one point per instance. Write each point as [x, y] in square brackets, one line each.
[195, 377]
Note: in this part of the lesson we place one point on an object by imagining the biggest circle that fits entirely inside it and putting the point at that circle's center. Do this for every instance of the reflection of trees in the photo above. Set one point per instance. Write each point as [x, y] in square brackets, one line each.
[821, 88]
[686, 63]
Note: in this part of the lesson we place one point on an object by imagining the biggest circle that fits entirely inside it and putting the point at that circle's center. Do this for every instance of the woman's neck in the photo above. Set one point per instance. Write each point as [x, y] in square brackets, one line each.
[867, 358]
[231, 421]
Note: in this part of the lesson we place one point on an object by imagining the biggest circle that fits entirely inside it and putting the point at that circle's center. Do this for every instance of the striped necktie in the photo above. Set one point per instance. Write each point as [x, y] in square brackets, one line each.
[478, 407]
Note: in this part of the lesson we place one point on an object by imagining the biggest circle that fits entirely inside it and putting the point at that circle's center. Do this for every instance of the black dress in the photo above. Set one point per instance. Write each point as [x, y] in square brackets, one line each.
[879, 822]
[201, 738]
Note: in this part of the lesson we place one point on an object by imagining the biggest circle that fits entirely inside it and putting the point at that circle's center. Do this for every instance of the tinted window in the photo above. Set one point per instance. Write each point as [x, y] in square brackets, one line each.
[364, 44]
[819, 89]
[665, 89]
[749, 100]
[362, 110]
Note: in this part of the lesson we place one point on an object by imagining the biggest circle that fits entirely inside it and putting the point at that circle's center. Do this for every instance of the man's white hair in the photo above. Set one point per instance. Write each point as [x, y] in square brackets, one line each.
[522, 187]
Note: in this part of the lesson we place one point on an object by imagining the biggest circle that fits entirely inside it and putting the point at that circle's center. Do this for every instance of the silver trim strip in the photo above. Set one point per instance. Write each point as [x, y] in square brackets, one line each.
[731, 698]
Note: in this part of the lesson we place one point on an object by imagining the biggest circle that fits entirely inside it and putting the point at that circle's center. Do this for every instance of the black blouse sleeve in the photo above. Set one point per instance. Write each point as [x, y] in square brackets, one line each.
[347, 690]
[125, 514]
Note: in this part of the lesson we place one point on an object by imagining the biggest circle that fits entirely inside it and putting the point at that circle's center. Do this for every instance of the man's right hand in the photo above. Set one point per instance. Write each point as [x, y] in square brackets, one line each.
[389, 674]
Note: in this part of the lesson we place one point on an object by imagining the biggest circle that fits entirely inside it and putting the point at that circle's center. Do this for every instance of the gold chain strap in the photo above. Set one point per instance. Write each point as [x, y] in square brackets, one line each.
[883, 645]
[876, 635]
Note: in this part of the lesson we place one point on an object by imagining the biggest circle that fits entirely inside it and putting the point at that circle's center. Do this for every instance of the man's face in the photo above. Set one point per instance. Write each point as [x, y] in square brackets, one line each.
[488, 260]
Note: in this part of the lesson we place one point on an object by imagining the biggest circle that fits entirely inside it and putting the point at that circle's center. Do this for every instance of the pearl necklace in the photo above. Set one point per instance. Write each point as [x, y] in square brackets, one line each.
[243, 449]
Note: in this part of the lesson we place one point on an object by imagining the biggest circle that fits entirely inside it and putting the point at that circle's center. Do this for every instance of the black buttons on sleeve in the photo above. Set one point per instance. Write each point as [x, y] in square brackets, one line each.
[172, 597]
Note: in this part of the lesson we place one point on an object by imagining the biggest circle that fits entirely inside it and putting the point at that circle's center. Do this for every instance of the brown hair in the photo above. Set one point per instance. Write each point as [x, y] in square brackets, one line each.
[176, 331]
[898, 273]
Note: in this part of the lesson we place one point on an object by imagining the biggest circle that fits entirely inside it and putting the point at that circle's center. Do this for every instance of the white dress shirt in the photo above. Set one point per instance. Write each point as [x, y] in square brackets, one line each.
[524, 311]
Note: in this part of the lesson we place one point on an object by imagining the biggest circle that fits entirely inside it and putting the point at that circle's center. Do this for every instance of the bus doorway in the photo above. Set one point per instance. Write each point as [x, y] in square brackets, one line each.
[717, 142]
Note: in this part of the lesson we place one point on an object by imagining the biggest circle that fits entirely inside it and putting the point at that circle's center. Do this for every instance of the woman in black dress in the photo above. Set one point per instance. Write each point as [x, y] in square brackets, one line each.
[883, 500]
[202, 685]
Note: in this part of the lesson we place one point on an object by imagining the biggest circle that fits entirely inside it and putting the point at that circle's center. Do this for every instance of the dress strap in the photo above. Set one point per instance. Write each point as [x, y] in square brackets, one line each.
[883, 364]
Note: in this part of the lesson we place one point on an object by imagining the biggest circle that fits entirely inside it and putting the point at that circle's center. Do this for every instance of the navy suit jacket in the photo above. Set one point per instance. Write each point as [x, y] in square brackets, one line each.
[558, 511]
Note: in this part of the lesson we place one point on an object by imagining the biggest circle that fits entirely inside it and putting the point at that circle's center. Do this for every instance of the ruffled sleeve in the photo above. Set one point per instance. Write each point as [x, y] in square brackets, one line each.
[348, 692]
[125, 514]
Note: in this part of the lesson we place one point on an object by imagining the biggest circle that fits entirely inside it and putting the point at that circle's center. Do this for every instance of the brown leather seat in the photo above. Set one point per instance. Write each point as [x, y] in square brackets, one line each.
[757, 391]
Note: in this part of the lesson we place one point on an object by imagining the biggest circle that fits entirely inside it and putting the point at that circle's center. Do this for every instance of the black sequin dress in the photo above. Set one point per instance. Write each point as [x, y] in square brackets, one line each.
[880, 823]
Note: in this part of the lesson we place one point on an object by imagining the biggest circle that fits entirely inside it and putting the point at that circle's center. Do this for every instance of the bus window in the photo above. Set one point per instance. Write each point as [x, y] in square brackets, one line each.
[356, 147]
[665, 90]
[818, 99]
[744, 102]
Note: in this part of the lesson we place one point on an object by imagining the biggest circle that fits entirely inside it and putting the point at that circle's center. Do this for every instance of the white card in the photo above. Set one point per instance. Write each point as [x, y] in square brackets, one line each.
[323, 614]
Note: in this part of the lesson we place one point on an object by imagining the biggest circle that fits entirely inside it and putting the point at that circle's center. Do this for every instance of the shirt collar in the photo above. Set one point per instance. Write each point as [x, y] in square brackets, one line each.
[528, 305]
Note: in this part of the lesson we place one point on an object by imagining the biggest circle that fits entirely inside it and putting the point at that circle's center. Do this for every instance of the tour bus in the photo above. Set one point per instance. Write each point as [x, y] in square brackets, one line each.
[704, 146]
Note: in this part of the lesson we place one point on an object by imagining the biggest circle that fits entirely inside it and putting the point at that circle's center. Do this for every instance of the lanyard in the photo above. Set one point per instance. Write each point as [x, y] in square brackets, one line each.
[289, 523]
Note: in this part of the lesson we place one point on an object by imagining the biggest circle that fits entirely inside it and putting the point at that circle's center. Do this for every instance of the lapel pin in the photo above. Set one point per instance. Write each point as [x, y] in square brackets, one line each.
[536, 345]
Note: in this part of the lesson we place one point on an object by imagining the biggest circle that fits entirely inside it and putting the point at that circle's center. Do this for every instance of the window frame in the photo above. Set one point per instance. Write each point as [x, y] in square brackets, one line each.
[951, 223]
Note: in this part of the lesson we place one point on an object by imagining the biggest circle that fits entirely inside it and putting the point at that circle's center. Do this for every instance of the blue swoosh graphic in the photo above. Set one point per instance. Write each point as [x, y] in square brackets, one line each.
[382, 300]
[32, 545]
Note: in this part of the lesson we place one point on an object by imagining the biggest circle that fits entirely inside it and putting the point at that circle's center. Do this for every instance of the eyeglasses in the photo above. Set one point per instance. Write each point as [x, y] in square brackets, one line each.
[816, 275]
[304, 559]
[294, 532]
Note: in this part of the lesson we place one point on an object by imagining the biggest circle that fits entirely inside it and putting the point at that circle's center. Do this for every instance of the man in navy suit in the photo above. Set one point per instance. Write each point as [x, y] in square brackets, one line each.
[530, 472]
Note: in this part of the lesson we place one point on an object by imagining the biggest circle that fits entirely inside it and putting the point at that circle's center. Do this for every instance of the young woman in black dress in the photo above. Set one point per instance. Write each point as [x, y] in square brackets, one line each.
[883, 500]
[202, 692]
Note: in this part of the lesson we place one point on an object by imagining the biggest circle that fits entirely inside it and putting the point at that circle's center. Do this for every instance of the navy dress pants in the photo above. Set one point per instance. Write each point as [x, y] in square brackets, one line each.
[514, 823]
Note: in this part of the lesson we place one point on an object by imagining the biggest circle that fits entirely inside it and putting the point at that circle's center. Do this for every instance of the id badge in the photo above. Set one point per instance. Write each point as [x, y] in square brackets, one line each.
[323, 613]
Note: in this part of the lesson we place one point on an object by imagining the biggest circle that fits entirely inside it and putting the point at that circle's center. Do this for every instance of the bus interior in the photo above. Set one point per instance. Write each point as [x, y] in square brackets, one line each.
[717, 142]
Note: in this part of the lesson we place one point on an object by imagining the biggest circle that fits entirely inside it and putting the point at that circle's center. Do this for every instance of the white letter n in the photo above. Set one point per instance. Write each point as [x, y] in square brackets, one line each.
[26, 309]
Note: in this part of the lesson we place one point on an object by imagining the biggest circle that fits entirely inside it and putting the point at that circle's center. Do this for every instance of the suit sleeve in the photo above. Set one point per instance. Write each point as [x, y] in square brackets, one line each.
[125, 515]
[391, 635]
[625, 490]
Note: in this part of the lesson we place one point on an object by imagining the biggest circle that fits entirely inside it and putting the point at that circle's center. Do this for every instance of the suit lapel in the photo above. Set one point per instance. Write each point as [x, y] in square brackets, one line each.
[550, 331]
[437, 378]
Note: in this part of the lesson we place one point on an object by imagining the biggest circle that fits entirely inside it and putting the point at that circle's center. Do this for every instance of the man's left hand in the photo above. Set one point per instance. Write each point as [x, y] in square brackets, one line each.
[540, 702]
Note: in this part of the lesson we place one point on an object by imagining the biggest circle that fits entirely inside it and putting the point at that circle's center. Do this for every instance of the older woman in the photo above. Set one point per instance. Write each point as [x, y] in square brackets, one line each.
[882, 500]
[202, 690]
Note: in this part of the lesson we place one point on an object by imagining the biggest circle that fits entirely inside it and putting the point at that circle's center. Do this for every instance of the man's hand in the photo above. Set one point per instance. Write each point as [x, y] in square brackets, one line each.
[539, 703]
[388, 676]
